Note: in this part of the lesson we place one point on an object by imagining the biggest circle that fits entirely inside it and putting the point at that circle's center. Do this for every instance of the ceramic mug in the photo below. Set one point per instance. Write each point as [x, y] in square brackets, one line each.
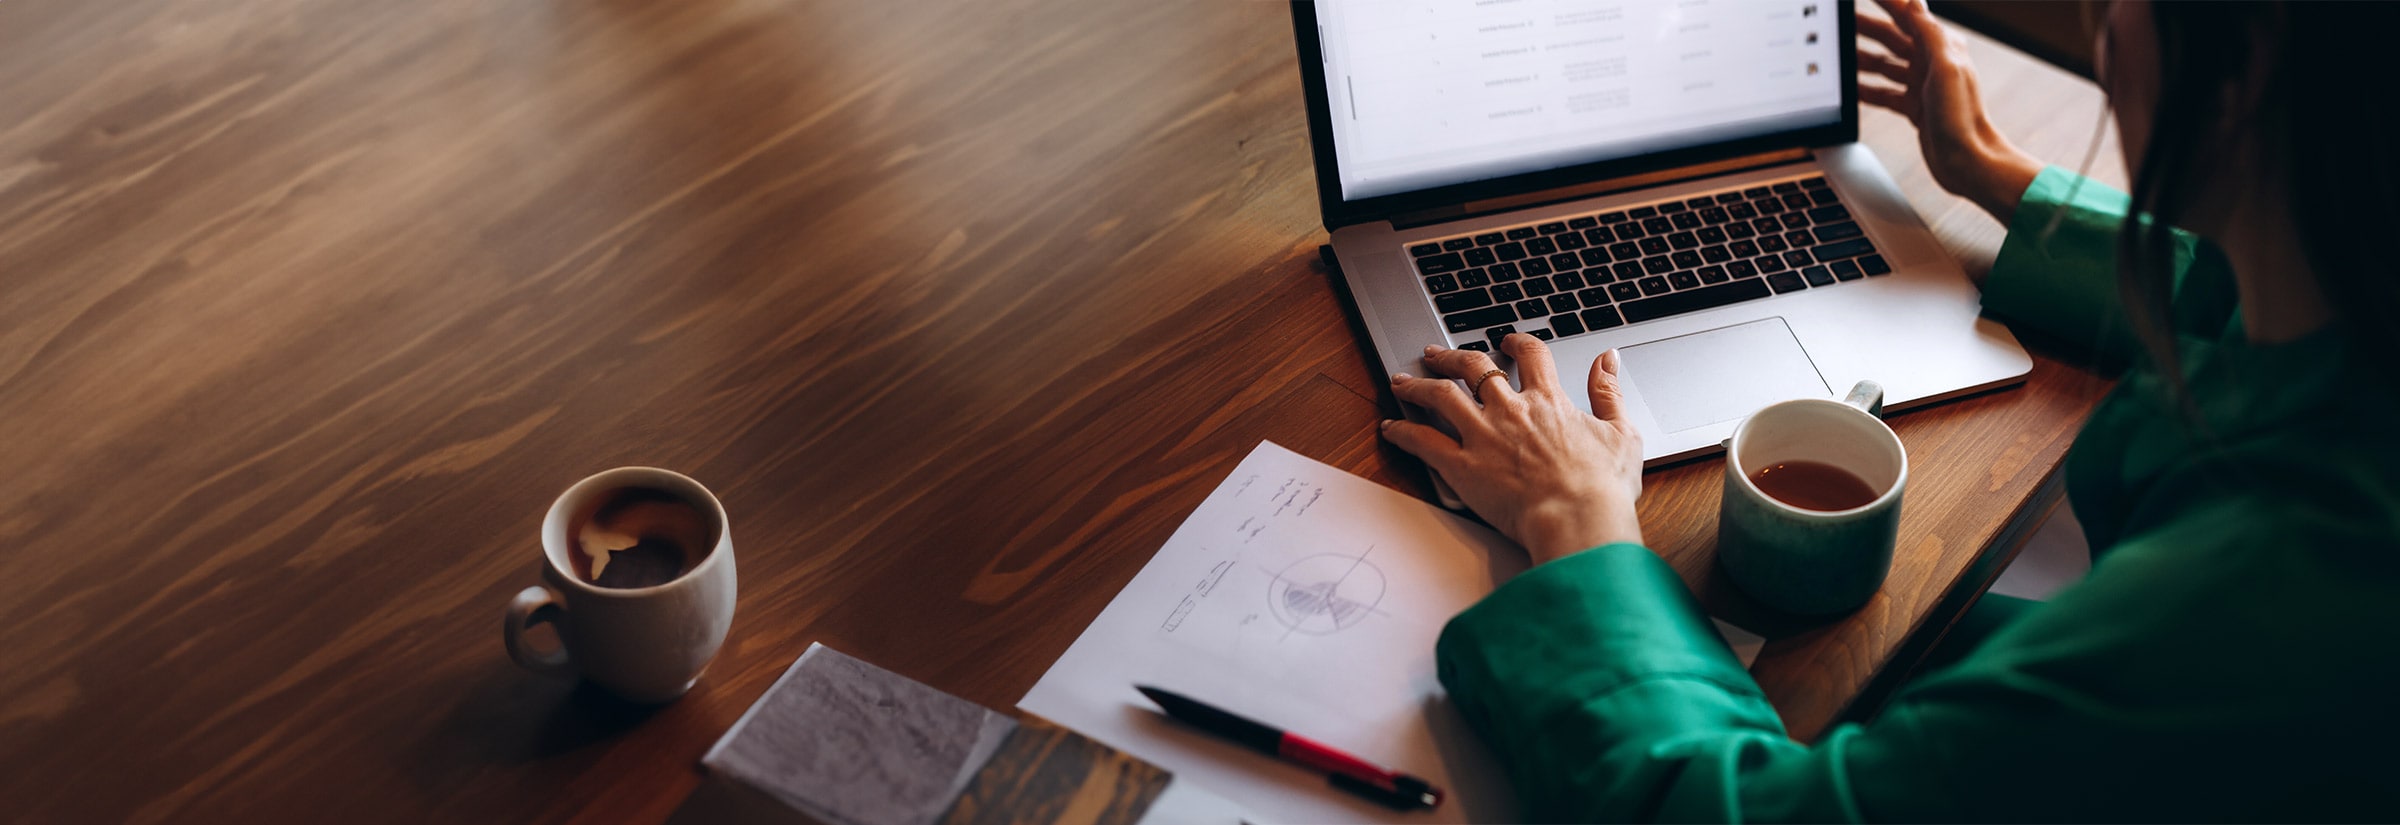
[646, 644]
[1802, 561]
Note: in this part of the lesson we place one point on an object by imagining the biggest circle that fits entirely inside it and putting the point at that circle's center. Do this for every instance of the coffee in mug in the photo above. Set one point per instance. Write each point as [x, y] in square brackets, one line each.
[639, 537]
[638, 580]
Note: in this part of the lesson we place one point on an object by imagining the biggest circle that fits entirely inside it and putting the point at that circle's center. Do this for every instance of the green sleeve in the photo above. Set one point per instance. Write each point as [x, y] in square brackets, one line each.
[1608, 696]
[2196, 675]
[2057, 269]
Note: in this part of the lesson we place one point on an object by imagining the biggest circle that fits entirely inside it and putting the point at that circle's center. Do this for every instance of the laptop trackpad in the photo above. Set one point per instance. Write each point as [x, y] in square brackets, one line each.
[1716, 376]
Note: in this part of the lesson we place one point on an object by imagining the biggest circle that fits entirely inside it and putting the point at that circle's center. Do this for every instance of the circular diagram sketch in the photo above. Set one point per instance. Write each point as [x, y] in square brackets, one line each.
[1325, 593]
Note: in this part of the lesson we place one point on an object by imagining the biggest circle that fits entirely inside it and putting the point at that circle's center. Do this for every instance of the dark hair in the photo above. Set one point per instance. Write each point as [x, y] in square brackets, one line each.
[2324, 109]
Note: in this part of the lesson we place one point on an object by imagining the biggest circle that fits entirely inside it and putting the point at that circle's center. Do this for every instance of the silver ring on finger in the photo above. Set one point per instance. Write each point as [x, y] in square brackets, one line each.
[1477, 392]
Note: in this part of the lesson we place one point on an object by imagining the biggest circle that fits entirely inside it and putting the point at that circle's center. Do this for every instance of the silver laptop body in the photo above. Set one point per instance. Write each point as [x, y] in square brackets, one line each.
[1691, 373]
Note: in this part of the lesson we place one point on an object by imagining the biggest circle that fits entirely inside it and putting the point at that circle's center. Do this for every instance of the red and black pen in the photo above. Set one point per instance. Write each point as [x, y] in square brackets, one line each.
[1348, 773]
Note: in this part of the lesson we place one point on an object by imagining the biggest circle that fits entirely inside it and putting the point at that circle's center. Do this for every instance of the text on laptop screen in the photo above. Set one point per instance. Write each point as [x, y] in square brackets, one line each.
[1428, 93]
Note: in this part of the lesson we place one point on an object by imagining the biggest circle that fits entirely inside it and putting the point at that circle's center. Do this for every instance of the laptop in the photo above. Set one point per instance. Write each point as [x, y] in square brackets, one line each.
[1677, 179]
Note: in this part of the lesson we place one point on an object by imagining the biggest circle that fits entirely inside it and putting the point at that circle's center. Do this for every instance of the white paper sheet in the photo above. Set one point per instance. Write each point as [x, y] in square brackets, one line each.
[1309, 599]
[1184, 803]
[1745, 644]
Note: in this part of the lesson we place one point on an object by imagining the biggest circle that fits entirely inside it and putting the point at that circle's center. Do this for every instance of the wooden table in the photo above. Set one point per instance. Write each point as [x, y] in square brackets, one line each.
[312, 306]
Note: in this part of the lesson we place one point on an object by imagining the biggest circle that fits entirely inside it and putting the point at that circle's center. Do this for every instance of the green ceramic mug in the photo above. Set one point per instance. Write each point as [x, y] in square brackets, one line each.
[1807, 561]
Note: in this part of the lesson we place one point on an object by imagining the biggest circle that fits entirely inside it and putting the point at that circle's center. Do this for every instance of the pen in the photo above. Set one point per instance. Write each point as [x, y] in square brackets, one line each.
[1347, 772]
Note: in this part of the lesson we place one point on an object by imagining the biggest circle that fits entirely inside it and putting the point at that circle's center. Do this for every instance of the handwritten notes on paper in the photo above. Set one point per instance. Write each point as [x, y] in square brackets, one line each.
[1304, 597]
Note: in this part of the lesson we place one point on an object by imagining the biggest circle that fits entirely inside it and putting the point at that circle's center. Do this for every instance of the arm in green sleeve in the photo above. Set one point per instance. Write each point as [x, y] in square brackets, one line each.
[2057, 269]
[1606, 693]
[2209, 669]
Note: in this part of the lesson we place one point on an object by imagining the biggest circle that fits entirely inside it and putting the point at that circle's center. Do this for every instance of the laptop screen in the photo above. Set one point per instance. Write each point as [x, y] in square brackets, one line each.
[1433, 93]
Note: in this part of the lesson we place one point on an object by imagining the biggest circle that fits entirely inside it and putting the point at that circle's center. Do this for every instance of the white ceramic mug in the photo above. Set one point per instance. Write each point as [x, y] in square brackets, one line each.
[646, 644]
[1802, 561]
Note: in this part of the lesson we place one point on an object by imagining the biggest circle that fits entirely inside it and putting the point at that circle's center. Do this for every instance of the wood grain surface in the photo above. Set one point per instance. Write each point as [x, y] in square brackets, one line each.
[312, 306]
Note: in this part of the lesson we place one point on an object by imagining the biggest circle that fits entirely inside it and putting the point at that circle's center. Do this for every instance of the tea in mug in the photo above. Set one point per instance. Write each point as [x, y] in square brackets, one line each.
[1811, 485]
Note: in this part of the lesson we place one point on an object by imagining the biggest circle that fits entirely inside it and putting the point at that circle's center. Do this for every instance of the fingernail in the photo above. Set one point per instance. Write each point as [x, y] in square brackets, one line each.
[1431, 349]
[1387, 424]
[1398, 377]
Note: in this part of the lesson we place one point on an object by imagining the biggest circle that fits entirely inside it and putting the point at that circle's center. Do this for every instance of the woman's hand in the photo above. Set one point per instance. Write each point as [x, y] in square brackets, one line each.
[1538, 469]
[1933, 85]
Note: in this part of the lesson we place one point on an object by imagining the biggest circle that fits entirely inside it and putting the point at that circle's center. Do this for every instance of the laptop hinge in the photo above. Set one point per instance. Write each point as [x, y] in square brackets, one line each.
[1598, 187]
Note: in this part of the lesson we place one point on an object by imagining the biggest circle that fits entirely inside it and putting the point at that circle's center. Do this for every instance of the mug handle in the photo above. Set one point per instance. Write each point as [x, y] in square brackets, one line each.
[535, 605]
[1866, 396]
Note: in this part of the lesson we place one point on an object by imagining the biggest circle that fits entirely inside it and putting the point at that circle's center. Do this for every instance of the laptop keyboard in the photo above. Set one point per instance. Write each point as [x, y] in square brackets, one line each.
[1591, 272]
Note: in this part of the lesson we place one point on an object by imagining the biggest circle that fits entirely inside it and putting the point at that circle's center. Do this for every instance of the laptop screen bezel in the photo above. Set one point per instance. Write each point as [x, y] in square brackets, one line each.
[1338, 212]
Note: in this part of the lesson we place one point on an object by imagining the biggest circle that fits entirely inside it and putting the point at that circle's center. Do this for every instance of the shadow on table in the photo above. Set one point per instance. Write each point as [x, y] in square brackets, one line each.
[511, 716]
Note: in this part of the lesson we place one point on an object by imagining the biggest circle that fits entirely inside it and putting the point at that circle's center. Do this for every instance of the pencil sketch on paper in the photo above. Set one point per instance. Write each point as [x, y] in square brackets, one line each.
[1250, 528]
[1325, 593]
[1207, 585]
[1291, 500]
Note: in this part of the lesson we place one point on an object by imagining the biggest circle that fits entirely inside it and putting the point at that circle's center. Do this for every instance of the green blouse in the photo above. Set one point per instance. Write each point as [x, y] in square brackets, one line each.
[2229, 656]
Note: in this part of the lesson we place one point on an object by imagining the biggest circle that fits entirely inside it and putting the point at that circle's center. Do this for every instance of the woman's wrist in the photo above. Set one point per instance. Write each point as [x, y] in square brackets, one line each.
[2007, 173]
[1559, 529]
